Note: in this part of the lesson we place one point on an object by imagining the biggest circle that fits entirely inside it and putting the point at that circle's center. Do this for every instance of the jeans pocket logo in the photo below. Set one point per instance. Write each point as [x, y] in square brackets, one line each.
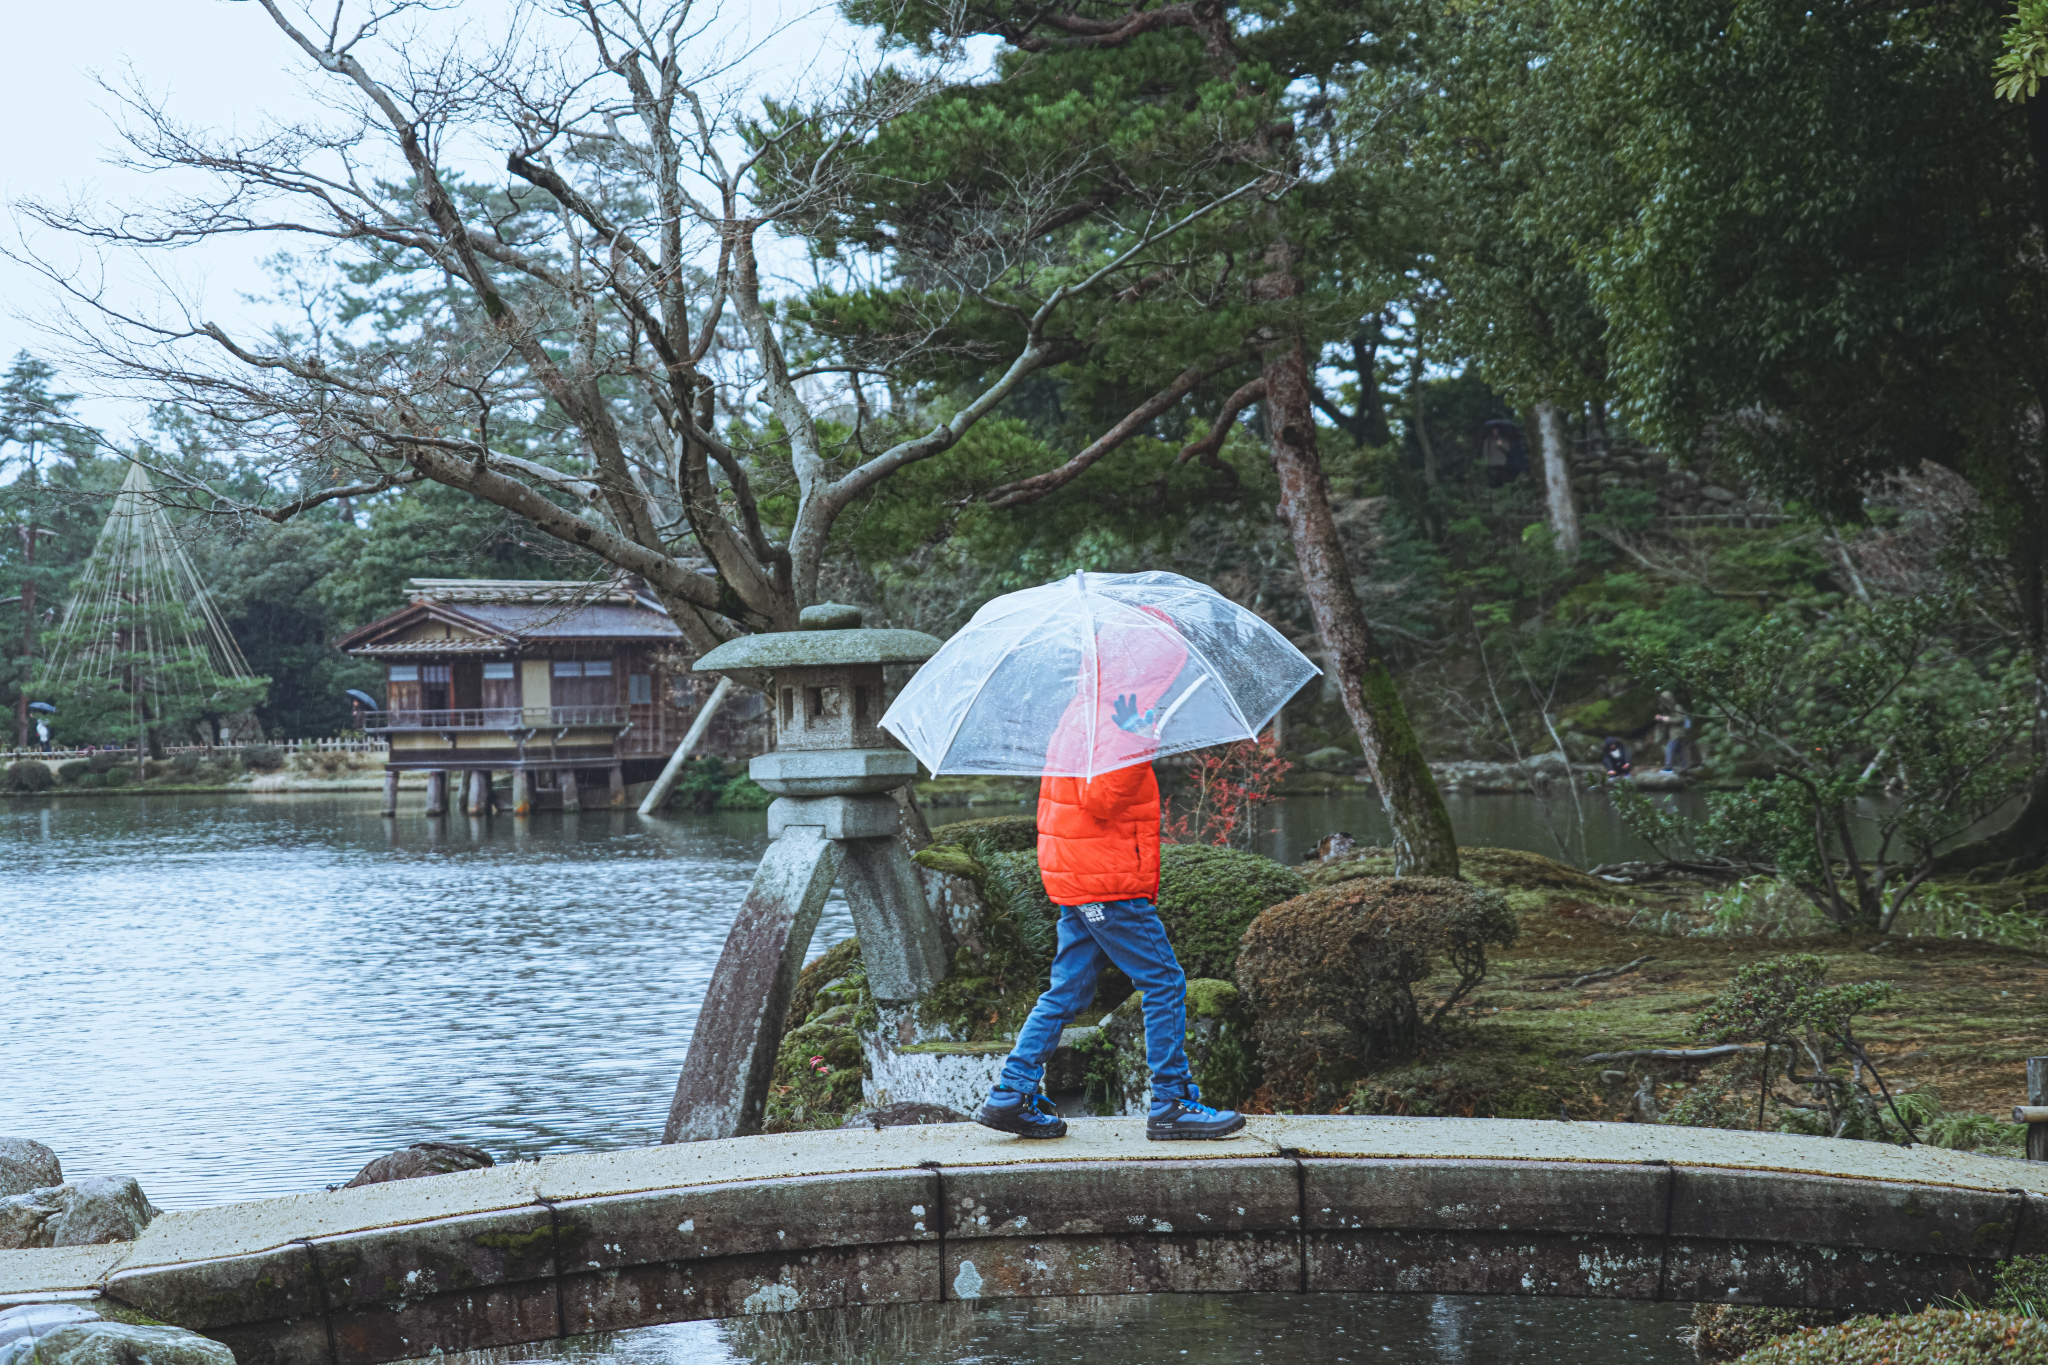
[1092, 912]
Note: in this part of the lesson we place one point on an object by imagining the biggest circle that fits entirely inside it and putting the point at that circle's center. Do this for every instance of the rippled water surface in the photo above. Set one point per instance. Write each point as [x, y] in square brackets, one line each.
[232, 998]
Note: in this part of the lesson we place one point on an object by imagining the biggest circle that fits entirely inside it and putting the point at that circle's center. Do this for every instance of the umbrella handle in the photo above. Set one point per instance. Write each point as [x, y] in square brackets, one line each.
[1178, 702]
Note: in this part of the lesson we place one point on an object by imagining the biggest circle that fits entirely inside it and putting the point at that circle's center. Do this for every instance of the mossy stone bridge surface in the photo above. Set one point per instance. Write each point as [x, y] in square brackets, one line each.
[597, 1242]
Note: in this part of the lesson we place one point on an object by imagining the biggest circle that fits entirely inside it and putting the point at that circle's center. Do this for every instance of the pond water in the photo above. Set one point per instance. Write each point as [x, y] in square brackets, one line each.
[233, 998]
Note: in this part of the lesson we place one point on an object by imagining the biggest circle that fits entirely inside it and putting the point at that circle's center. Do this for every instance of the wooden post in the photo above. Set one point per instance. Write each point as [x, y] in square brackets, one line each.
[522, 792]
[2037, 1095]
[437, 792]
[618, 782]
[572, 798]
[479, 784]
[391, 792]
[666, 783]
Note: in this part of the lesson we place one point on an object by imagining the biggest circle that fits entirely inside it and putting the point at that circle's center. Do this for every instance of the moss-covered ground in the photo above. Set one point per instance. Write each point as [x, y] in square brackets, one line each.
[1967, 1013]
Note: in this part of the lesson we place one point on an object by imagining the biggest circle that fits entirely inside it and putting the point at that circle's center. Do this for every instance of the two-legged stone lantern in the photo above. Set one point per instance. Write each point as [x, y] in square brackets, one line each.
[833, 819]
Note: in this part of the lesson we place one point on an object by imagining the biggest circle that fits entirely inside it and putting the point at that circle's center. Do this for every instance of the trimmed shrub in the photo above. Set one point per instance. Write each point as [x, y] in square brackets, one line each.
[105, 761]
[1724, 1331]
[117, 777]
[72, 772]
[1331, 976]
[262, 758]
[186, 766]
[30, 775]
[1939, 1336]
[1208, 897]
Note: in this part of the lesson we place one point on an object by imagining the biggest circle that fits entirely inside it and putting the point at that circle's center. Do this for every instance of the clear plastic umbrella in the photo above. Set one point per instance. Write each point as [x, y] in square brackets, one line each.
[1093, 673]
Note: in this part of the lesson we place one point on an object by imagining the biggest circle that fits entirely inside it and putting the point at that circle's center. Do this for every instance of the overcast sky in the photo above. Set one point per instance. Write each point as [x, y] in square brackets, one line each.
[221, 64]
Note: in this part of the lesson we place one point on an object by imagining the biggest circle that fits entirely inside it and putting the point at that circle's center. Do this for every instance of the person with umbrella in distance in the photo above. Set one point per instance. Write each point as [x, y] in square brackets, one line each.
[1083, 683]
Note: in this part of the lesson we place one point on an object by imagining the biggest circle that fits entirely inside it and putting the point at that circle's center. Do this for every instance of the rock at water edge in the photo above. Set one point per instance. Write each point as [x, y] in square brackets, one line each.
[422, 1159]
[102, 1208]
[27, 1165]
[99, 1342]
[904, 1114]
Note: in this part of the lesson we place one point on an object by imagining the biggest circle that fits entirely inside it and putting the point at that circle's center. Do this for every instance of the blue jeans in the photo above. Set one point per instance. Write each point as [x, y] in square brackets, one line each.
[1128, 935]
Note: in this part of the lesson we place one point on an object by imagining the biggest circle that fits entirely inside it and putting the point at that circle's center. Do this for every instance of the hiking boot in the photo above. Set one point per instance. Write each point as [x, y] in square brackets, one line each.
[1187, 1119]
[1028, 1116]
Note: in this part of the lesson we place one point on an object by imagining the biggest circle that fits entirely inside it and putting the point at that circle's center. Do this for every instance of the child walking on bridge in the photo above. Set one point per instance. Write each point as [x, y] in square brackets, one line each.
[1098, 854]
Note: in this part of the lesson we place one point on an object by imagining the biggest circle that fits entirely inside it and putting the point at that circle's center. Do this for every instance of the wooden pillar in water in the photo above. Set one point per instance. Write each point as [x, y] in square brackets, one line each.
[437, 792]
[391, 792]
[479, 792]
[572, 798]
[522, 792]
[618, 781]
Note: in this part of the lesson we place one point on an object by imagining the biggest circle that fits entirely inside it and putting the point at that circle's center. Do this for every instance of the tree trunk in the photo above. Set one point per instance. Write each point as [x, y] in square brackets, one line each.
[1424, 843]
[1422, 422]
[1557, 481]
[2023, 844]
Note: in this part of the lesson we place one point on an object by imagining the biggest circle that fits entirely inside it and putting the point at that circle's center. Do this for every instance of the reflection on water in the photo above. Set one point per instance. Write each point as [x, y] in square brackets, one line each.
[1202, 1329]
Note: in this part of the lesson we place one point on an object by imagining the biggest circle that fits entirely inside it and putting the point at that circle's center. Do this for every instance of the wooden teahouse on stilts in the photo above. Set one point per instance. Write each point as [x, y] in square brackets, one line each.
[565, 687]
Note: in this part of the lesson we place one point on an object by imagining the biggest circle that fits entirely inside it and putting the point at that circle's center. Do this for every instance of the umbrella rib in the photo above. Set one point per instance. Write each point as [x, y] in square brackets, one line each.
[1228, 700]
[975, 700]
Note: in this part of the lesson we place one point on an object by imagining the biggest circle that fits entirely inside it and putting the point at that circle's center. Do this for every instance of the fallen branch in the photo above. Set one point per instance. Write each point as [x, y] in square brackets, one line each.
[1674, 869]
[1675, 1054]
[1605, 974]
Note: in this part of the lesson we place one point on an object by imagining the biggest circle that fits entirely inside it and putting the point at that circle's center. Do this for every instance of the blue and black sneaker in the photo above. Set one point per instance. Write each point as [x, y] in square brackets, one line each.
[1184, 1118]
[1028, 1116]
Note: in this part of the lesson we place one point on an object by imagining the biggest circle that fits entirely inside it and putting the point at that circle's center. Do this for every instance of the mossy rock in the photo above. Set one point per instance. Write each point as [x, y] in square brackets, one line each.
[1939, 1336]
[828, 1009]
[1331, 975]
[1209, 896]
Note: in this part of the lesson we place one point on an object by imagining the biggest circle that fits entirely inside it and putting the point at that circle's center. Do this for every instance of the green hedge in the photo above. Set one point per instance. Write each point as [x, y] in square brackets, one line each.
[30, 775]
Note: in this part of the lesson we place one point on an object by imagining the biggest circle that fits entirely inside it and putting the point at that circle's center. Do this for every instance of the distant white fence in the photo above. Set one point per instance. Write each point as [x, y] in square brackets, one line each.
[285, 746]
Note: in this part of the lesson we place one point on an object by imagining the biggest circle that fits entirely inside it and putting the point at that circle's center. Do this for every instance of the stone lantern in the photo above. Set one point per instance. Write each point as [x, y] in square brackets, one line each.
[833, 820]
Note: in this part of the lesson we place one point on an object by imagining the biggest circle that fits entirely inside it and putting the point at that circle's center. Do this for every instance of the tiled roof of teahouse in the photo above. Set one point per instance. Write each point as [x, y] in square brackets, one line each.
[404, 647]
[565, 621]
[509, 613]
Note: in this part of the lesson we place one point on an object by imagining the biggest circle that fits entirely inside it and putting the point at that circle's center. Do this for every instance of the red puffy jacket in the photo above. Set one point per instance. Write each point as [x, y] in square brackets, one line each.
[1099, 840]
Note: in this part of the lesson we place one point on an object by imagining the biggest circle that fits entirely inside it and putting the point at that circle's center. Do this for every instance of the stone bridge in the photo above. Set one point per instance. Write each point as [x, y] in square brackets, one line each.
[596, 1242]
